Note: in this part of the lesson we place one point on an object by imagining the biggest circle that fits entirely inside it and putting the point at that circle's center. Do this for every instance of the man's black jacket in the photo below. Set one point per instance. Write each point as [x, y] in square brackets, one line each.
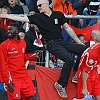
[30, 36]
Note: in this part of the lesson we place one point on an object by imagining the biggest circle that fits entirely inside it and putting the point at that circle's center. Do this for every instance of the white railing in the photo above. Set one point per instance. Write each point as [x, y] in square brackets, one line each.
[71, 16]
[82, 16]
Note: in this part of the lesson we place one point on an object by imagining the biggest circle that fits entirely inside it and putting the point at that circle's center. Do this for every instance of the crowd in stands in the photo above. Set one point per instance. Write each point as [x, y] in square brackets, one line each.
[32, 35]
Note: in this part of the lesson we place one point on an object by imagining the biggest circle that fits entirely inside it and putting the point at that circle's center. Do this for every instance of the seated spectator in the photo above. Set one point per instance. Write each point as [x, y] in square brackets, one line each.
[66, 8]
[4, 22]
[14, 8]
[94, 21]
[91, 9]
[94, 4]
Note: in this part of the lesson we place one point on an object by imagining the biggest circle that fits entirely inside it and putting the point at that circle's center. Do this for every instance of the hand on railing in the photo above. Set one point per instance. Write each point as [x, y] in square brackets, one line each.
[38, 54]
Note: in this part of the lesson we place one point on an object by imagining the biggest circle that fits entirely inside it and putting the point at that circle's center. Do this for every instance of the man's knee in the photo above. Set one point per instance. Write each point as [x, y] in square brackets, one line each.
[69, 59]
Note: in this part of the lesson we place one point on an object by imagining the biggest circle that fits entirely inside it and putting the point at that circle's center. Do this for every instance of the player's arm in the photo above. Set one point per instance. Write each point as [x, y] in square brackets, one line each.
[15, 17]
[30, 56]
[33, 56]
[5, 69]
[72, 34]
[84, 81]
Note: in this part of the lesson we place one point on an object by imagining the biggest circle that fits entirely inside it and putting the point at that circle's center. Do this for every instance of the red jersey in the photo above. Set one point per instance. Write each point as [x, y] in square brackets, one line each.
[89, 62]
[13, 64]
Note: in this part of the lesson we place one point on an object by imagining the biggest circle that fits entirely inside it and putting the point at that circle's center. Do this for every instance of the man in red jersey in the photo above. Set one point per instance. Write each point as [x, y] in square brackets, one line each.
[89, 69]
[13, 67]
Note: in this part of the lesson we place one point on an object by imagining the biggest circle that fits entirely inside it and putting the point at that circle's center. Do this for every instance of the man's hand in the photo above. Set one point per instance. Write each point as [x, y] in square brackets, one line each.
[38, 54]
[10, 86]
[81, 43]
[3, 15]
[78, 41]
[85, 92]
[81, 21]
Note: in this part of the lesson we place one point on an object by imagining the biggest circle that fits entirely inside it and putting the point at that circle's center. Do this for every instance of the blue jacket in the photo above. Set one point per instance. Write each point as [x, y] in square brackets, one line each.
[94, 21]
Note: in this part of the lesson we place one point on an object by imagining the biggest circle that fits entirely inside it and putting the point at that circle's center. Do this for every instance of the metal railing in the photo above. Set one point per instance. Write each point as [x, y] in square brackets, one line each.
[70, 16]
[82, 16]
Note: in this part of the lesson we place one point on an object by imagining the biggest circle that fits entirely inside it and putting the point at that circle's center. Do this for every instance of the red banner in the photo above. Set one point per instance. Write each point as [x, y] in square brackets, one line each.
[86, 31]
[46, 77]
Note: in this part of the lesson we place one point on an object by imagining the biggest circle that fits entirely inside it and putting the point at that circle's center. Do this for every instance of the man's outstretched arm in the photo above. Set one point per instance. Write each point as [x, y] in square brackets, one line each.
[15, 17]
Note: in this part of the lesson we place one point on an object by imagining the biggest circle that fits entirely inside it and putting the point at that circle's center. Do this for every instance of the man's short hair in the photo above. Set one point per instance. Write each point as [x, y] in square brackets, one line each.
[43, 1]
[94, 32]
[15, 25]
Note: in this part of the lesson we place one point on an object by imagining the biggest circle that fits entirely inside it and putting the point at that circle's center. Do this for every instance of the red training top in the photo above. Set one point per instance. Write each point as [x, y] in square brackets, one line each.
[13, 64]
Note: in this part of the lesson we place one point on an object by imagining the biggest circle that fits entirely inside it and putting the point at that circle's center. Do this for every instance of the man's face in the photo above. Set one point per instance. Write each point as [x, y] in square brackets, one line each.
[82, 39]
[12, 31]
[12, 2]
[4, 11]
[41, 6]
[97, 37]
[98, 20]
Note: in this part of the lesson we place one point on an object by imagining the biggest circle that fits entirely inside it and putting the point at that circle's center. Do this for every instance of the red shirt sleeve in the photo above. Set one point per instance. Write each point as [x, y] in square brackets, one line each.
[30, 56]
[5, 69]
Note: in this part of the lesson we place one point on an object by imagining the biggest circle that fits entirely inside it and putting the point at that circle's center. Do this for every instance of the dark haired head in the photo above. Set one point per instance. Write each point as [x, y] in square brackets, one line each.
[79, 35]
[13, 30]
[8, 9]
[15, 25]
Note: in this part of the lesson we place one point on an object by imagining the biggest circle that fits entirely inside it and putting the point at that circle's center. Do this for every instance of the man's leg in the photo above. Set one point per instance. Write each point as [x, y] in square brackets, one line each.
[61, 53]
[97, 97]
[61, 50]
[28, 90]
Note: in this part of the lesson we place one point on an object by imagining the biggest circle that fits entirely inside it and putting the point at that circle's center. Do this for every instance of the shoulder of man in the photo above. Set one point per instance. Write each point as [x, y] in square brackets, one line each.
[3, 35]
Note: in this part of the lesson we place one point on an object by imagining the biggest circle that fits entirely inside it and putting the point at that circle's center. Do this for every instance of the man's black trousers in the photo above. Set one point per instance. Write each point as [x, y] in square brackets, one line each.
[62, 50]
